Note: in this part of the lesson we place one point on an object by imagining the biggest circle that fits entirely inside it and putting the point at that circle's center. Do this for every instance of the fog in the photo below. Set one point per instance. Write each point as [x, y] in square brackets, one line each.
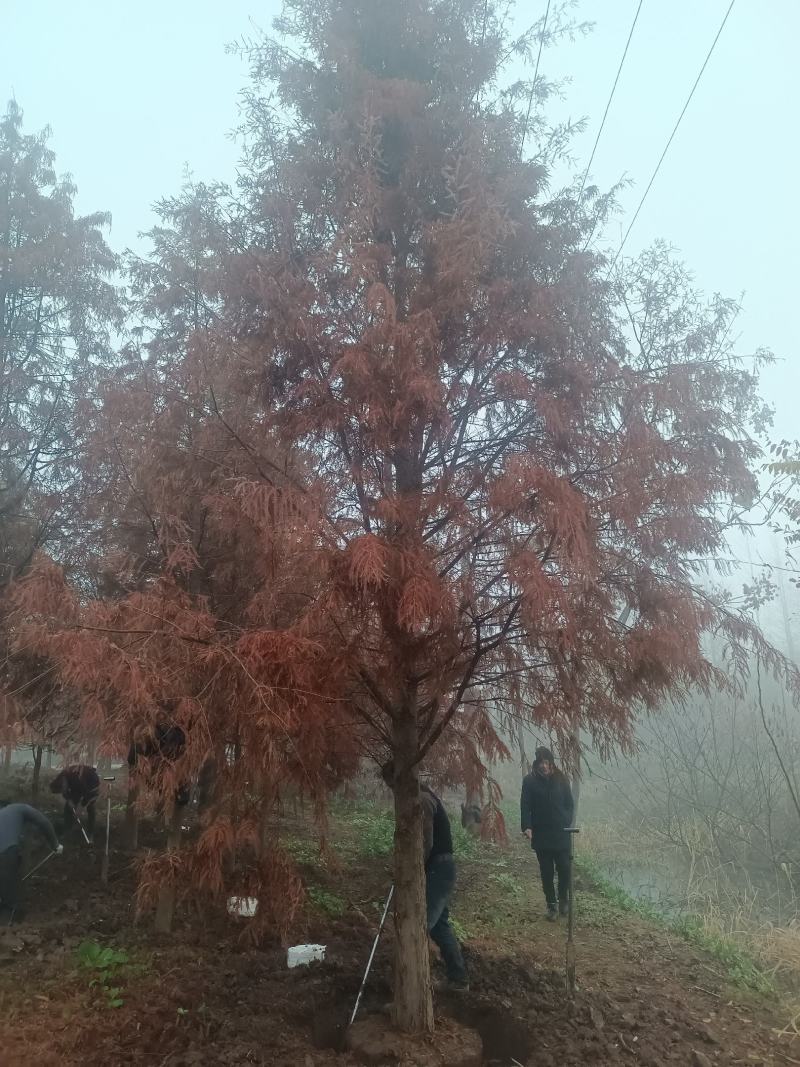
[136, 95]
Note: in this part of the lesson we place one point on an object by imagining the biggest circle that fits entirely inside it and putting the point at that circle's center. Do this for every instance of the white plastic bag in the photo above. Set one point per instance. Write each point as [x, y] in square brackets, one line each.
[300, 955]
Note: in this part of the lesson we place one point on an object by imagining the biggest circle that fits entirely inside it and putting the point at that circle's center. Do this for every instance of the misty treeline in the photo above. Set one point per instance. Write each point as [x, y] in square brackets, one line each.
[372, 455]
[710, 804]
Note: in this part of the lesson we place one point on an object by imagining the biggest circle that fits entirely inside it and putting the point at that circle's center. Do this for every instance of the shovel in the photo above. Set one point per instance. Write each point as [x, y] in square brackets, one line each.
[41, 863]
[570, 960]
[372, 955]
[104, 867]
[80, 824]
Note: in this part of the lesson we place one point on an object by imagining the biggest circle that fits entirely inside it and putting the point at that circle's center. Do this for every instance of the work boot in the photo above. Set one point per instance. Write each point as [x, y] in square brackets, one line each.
[563, 907]
[451, 985]
[552, 913]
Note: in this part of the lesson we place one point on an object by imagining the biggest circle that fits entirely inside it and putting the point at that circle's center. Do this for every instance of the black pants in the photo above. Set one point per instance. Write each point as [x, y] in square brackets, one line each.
[10, 866]
[89, 817]
[550, 861]
[440, 880]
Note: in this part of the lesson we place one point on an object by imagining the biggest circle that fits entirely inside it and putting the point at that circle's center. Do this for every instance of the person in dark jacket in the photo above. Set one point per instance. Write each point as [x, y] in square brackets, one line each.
[440, 881]
[79, 785]
[165, 743]
[14, 819]
[547, 810]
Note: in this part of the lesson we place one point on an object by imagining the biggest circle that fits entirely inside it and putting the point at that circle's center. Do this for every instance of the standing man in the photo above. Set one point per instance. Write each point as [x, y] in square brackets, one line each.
[13, 820]
[440, 881]
[79, 786]
[547, 809]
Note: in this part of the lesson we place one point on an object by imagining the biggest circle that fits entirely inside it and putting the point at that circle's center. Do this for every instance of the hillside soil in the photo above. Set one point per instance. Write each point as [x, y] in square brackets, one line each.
[204, 996]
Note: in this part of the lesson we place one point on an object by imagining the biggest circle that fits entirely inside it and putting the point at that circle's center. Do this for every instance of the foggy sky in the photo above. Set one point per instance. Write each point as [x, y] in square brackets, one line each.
[136, 93]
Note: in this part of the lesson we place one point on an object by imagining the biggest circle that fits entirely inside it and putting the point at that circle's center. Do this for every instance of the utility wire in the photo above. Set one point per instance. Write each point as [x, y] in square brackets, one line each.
[535, 76]
[608, 105]
[672, 135]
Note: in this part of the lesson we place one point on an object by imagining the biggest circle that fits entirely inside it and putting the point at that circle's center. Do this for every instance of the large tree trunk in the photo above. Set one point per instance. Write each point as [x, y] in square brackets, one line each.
[413, 1005]
[37, 770]
[165, 907]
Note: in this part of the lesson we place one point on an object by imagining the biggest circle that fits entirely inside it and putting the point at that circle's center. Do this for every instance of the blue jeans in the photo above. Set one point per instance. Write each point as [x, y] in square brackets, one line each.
[440, 880]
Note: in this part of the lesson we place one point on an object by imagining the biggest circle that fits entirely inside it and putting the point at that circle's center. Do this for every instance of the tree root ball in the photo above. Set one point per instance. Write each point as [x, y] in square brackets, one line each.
[373, 1041]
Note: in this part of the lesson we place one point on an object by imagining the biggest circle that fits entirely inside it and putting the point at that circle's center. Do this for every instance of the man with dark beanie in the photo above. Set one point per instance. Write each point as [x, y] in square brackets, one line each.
[547, 809]
[440, 881]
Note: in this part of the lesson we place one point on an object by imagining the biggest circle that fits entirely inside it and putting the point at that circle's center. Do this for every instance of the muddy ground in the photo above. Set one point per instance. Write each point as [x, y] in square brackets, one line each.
[202, 996]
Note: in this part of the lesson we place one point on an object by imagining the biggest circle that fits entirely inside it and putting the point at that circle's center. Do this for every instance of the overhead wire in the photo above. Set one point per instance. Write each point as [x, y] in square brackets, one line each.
[608, 105]
[535, 76]
[672, 135]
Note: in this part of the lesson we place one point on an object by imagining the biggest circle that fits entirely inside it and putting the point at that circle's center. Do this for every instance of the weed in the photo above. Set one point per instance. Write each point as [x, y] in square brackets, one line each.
[301, 849]
[459, 929]
[507, 883]
[465, 846]
[375, 832]
[105, 962]
[326, 901]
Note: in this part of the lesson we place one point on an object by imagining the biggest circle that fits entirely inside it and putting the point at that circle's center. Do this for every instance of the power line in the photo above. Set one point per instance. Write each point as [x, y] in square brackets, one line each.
[608, 105]
[535, 76]
[672, 135]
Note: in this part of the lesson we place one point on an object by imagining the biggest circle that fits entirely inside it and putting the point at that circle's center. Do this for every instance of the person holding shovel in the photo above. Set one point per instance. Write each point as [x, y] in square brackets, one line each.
[14, 819]
[80, 787]
[547, 810]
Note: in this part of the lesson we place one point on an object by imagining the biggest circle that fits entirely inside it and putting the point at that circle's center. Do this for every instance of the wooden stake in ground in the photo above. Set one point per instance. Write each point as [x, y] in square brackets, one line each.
[104, 866]
[570, 961]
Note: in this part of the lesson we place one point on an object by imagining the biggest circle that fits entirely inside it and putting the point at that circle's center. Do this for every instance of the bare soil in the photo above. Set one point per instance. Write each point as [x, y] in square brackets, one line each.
[201, 996]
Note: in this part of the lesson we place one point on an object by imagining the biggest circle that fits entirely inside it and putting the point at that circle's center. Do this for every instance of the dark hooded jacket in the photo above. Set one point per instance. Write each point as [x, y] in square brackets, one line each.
[547, 808]
[78, 785]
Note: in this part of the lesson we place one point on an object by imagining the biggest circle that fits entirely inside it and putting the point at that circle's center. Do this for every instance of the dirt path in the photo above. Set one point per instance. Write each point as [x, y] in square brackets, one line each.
[202, 997]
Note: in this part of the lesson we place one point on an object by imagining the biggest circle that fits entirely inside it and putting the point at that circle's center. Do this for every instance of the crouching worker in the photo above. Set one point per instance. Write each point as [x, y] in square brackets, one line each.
[80, 787]
[440, 881]
[14, 819]
[547, 809]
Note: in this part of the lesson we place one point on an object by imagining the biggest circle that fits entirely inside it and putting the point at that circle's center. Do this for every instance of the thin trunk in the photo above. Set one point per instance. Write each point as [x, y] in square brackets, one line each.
[37, 769]
[207, 785]
[576, 772]
[131, 816]
[7, 759]
[472, 812]
[165, 907]
[413, 1005]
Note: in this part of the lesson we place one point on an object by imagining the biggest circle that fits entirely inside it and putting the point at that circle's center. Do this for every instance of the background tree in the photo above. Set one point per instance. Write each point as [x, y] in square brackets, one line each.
[58, 310]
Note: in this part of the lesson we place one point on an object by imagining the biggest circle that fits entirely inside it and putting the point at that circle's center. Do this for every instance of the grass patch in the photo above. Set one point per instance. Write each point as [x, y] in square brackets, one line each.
[327, 902]
[507, 883]
[740, 967]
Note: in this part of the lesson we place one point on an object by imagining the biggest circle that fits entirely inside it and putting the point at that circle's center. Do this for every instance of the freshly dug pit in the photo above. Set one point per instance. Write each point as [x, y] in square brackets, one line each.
[373, 1041]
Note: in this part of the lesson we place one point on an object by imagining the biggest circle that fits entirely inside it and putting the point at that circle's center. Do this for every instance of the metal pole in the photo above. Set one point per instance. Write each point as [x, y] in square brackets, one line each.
[372, 954]
[570, 955]
[104, 866]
